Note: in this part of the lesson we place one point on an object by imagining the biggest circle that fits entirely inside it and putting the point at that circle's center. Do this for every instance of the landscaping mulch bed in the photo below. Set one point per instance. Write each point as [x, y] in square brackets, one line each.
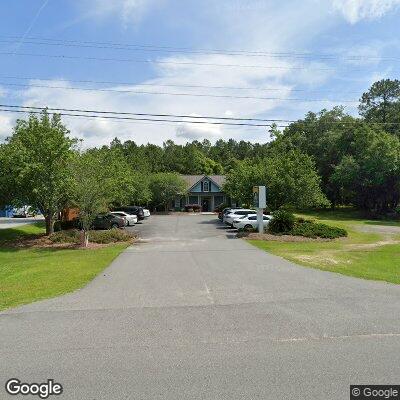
[43, 242]
[279, 238]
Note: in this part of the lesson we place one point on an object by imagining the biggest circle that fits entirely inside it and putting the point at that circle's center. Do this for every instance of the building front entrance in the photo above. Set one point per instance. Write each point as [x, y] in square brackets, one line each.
[206, 204]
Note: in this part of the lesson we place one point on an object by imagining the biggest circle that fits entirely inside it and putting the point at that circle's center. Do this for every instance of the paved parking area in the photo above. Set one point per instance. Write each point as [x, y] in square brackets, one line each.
[191, 312]
[13, 222]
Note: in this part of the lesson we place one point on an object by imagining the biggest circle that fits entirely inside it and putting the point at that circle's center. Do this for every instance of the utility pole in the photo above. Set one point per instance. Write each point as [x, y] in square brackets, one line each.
[260, 202]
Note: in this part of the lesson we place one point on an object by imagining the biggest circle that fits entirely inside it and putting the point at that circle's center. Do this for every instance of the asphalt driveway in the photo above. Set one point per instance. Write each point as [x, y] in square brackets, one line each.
[6, 222]
[193, 313]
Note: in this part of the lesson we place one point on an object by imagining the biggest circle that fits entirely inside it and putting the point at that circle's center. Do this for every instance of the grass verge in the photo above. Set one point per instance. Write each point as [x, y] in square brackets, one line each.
[32, 274]
[371, 250]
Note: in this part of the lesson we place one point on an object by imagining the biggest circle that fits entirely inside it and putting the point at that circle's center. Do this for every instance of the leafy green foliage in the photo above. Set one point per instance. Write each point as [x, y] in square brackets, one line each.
[103, 178]
[369, 177]
[35, 159]
[290, 177]
[191, 158]
[111, 236]
[326, 158]
[103, 237]
[165, 187]
[282, 222]
[241, 179]
[358, 162]
[315, 230]
[381, 104]
[70, 236]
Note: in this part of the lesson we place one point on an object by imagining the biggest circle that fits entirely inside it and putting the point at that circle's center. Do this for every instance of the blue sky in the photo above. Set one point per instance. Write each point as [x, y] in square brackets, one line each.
[360, 38]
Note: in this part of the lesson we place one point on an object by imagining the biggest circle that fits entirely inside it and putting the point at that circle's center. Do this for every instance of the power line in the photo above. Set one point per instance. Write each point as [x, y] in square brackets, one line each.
[149, 47]
[178, 93]
[132, 60]
[266, 89]
[119, 118]
[122, 121]
[204, 117]
[146, 114]
[120, 115]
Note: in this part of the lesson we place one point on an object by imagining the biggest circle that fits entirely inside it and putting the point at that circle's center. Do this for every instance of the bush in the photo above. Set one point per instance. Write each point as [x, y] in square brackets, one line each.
[282, 222]
[70, 236]
[103, 237]
[193, 207]
[57, 226]
[315, 230]
[110, 236]
[73, 224]
[221, 207]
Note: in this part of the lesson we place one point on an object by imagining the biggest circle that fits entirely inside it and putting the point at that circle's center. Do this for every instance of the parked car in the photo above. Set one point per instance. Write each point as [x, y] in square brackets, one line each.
[131, 219]
[108, 221]
[234, 214]
[226, 211]
[146, 213]
[249, 222]
[23, 212]
[134, 210]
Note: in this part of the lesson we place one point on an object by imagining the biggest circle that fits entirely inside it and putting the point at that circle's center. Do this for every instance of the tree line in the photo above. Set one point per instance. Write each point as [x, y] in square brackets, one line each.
[329, 158]
[42, 166]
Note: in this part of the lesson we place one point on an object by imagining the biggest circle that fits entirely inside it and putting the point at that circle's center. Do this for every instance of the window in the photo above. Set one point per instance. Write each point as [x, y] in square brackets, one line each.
[244, 212]
[218, 200]
[252, 218]
[206, 186]
[193, 200]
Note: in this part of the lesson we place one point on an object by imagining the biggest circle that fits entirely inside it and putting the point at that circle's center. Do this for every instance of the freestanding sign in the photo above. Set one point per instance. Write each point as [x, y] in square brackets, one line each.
[260, 202]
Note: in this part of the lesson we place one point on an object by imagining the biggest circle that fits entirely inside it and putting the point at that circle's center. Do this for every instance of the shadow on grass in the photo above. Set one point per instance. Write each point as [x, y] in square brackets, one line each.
[384, 222]
[22, 232]
[334, 215]
[349, 215]
[38, 250]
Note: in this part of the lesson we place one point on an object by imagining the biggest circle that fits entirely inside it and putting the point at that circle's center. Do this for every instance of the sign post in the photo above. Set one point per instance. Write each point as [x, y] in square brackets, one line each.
[260, 202]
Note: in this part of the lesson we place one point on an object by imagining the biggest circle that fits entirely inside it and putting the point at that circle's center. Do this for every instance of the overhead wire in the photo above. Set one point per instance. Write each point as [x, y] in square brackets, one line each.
[178, 93]
[150, 47]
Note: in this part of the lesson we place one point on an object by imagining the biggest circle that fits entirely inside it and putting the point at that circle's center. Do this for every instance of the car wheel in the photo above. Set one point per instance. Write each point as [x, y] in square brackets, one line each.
[114, 226]
[248, 228]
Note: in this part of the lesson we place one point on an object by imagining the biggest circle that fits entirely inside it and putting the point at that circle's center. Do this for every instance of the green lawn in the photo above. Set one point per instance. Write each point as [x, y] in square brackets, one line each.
[371, 250]
[22, 231]
[28, 275]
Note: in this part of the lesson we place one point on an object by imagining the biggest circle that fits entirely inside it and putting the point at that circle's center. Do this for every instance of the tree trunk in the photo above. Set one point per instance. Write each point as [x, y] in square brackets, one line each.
[49, 223]
[85, 237]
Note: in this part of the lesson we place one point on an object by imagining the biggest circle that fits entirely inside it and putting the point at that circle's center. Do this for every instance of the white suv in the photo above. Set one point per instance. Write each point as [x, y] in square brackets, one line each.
[129, 218]
[249, 222]
[235, 214]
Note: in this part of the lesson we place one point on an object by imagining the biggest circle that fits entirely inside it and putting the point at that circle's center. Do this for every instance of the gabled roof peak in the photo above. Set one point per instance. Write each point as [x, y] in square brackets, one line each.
[192, 180]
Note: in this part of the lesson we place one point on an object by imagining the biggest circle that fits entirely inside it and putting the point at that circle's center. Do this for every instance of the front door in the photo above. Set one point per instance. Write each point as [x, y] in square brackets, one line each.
[205, 205]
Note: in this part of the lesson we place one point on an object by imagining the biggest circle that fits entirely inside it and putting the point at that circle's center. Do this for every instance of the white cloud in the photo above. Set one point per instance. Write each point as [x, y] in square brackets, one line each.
[189, 131]
[287, 27]
[356, 10]
[6, 125]
[99, 131]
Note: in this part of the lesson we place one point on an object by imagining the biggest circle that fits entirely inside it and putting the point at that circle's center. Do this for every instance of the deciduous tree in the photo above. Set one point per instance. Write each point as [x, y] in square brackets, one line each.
[37, 156]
